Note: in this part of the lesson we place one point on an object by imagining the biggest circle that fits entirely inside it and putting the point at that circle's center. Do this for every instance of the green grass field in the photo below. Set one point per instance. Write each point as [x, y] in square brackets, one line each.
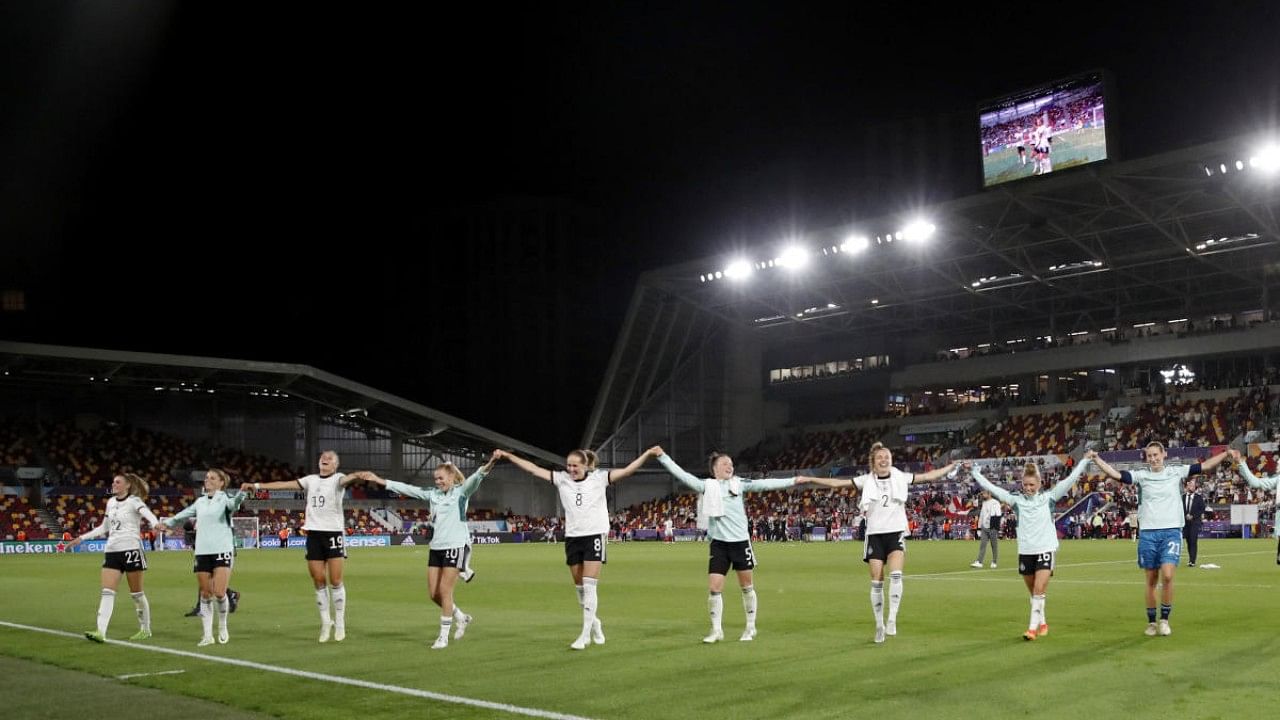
[1069, 149]
[958, 649]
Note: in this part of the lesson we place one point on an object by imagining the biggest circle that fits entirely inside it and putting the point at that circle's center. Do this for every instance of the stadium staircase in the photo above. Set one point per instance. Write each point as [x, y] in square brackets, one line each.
[50, 521]
[1077, 452]
[1243, 439]
[47, 517]
[389, 519]
[1085, 508]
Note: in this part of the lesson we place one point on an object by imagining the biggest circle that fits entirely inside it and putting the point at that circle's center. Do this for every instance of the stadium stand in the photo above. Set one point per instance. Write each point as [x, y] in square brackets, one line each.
[85, 461]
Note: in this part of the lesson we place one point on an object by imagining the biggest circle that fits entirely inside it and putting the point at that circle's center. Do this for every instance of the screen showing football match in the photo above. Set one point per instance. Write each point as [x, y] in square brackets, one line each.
[1043, 130]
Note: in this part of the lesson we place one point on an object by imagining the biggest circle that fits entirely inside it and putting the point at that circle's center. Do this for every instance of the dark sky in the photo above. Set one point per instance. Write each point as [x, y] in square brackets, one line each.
[241, 180]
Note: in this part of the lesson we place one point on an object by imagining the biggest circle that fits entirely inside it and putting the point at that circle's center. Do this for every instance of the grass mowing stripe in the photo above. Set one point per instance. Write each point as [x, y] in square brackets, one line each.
[514, 709]
[1059, 566]
[1058, 581]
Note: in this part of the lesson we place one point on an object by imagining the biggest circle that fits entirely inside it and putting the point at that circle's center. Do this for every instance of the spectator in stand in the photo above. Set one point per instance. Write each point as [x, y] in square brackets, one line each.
[122, 524]
[989, 530]
[726, 515]
[1037, 536]
[884, 501]
[1160, 520]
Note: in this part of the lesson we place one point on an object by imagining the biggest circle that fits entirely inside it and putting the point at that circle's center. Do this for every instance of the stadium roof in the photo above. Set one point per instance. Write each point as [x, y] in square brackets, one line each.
[1195, 228]
[58, 367]
[1181, 234]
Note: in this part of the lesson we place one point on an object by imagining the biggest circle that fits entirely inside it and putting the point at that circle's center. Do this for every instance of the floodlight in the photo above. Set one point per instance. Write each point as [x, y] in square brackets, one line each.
[917, 230]
[793, 257]
[855, 244]
[738, 270]
[1268, 159]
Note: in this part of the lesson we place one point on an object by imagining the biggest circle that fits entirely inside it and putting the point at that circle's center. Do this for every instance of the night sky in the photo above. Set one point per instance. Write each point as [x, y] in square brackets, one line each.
[247, 181]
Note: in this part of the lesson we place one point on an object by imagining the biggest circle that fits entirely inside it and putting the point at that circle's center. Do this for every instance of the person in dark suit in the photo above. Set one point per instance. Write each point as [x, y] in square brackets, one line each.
[1193, 507]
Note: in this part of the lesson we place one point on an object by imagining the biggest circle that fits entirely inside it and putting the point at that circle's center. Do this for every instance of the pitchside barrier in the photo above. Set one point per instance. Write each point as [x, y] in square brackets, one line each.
[53, 547]
[1211, 529]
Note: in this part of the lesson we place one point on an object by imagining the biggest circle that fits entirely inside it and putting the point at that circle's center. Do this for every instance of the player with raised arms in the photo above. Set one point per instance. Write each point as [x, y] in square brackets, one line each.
[326, 547]
[215, 549]
[450, 539]
[582, 490]
[1160, 521]
[884, 505]
[1254, 481]
[1037, 534]
[122, 524]
[722, 503]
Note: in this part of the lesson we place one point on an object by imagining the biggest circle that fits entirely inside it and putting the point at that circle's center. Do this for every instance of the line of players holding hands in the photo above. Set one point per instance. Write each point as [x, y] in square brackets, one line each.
[582, 486]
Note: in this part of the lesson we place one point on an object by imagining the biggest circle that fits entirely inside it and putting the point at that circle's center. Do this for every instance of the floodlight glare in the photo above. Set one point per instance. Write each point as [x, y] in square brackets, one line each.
[918, 230]
[793, 258]
[1268, 159]
[855, 244]
[738, 270]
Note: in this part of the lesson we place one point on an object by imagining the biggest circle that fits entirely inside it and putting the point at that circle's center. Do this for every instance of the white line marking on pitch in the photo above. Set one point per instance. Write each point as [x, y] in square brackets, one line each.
[162, 672]
[336, 679]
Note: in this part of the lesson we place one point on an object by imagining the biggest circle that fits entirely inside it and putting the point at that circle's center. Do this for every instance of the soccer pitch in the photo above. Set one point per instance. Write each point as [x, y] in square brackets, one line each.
[1070, 149]
[958, 648]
